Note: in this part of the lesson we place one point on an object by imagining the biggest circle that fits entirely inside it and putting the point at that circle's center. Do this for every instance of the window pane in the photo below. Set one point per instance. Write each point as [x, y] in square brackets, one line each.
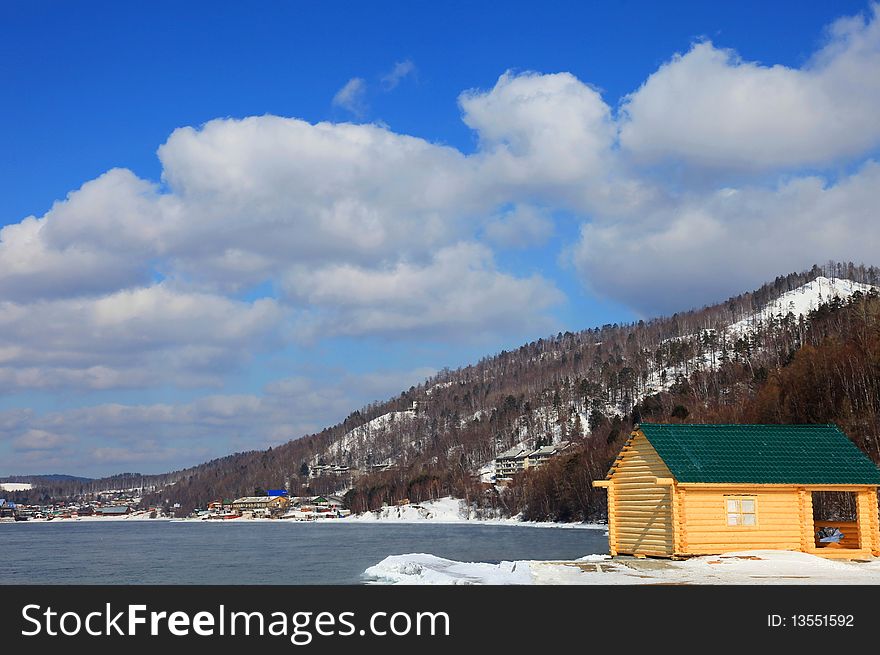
[733, 519]
[748, 506]
[732, 505]
[748, 519]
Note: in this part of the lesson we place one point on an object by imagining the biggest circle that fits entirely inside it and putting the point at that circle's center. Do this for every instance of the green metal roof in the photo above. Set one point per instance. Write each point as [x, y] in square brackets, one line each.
[761, 454]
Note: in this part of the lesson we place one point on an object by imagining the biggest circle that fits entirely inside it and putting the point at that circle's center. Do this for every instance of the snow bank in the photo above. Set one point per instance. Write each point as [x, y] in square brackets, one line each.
[747, 567]
[423, 569]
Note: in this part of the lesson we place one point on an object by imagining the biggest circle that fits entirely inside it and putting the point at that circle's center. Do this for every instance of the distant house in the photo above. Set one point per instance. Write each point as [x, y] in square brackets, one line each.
[112, 510]
[680, 490]
[7, 510]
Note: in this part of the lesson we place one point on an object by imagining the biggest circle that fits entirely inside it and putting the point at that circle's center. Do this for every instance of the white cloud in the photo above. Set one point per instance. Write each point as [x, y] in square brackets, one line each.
[713, 245]
[400, 71]
[99, 239]
[245, 202]
[352, 96]
[131, 338]
[709, 108]
[523, 226]
[40, 440]
[458, 292]
[261, 192]
[110, 437]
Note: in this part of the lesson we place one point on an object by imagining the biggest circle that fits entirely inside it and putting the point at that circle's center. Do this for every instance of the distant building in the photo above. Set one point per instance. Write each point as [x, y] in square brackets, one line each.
[321, 470]
[262, 504]
[510, 462]
[541, 456]
[113, 510]
[518, 459]
[383, 466]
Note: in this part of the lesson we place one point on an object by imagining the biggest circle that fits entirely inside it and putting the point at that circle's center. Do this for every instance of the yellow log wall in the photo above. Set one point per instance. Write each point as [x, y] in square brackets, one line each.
[640, 511]
[779, 517]
[869, 535]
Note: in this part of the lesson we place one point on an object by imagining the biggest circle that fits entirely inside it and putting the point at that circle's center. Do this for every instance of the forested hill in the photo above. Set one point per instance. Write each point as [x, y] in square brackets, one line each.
[804, 348]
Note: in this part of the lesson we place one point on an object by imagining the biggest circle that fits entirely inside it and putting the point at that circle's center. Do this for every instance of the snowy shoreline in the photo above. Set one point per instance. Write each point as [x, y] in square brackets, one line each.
[734, 568]
[443, 511]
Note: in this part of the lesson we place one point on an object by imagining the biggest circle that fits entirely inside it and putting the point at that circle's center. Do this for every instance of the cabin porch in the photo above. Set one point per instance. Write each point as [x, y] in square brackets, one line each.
[849, 517]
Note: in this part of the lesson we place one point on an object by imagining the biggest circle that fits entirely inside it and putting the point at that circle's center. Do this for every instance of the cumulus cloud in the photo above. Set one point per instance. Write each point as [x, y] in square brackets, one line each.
[352, 96]
[713, 245]
[132, 338]
[244, 203]
[263, 191]
[543, 135]
[99, 239]
[459, 292]
[710, 108]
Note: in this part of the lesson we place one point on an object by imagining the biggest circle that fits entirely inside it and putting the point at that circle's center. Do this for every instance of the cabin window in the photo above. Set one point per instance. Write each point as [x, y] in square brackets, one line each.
[741, 510]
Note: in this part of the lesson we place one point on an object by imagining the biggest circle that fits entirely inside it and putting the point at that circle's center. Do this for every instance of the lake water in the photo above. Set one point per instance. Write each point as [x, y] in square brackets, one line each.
[270, 552]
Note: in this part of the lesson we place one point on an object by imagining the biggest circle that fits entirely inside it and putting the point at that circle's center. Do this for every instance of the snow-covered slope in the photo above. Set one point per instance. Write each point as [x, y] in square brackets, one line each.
[801, 301]
[379, 438]
[15, 486]
[797, 302]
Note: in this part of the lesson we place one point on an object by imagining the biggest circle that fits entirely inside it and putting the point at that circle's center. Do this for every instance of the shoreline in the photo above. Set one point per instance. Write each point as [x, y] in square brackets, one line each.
[354, 521]
[440, 511]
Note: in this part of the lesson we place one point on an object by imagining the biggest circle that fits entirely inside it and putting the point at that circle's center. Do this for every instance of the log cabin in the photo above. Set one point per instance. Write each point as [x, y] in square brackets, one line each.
[684, 490]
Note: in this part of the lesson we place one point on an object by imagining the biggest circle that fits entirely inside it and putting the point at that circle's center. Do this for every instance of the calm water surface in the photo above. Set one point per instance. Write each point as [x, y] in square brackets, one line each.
[274, 552]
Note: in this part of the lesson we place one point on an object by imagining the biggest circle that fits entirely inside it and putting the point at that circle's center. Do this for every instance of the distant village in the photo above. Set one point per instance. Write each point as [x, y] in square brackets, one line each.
[275, 504]
[272, 504]
[109, 504]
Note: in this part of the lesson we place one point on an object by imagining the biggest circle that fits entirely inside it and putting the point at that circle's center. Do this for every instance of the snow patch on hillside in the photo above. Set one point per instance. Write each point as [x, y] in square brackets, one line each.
[801, 301]
[798, 302]
[453, 510]
[359, 437]
[15, 486]
[443, 510]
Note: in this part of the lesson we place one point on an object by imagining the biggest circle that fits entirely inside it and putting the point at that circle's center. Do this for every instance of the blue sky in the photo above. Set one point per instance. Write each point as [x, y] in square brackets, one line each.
[371, 192]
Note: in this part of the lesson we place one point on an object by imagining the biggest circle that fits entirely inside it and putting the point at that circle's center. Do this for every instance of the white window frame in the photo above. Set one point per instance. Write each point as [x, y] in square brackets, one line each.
[736, 510]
